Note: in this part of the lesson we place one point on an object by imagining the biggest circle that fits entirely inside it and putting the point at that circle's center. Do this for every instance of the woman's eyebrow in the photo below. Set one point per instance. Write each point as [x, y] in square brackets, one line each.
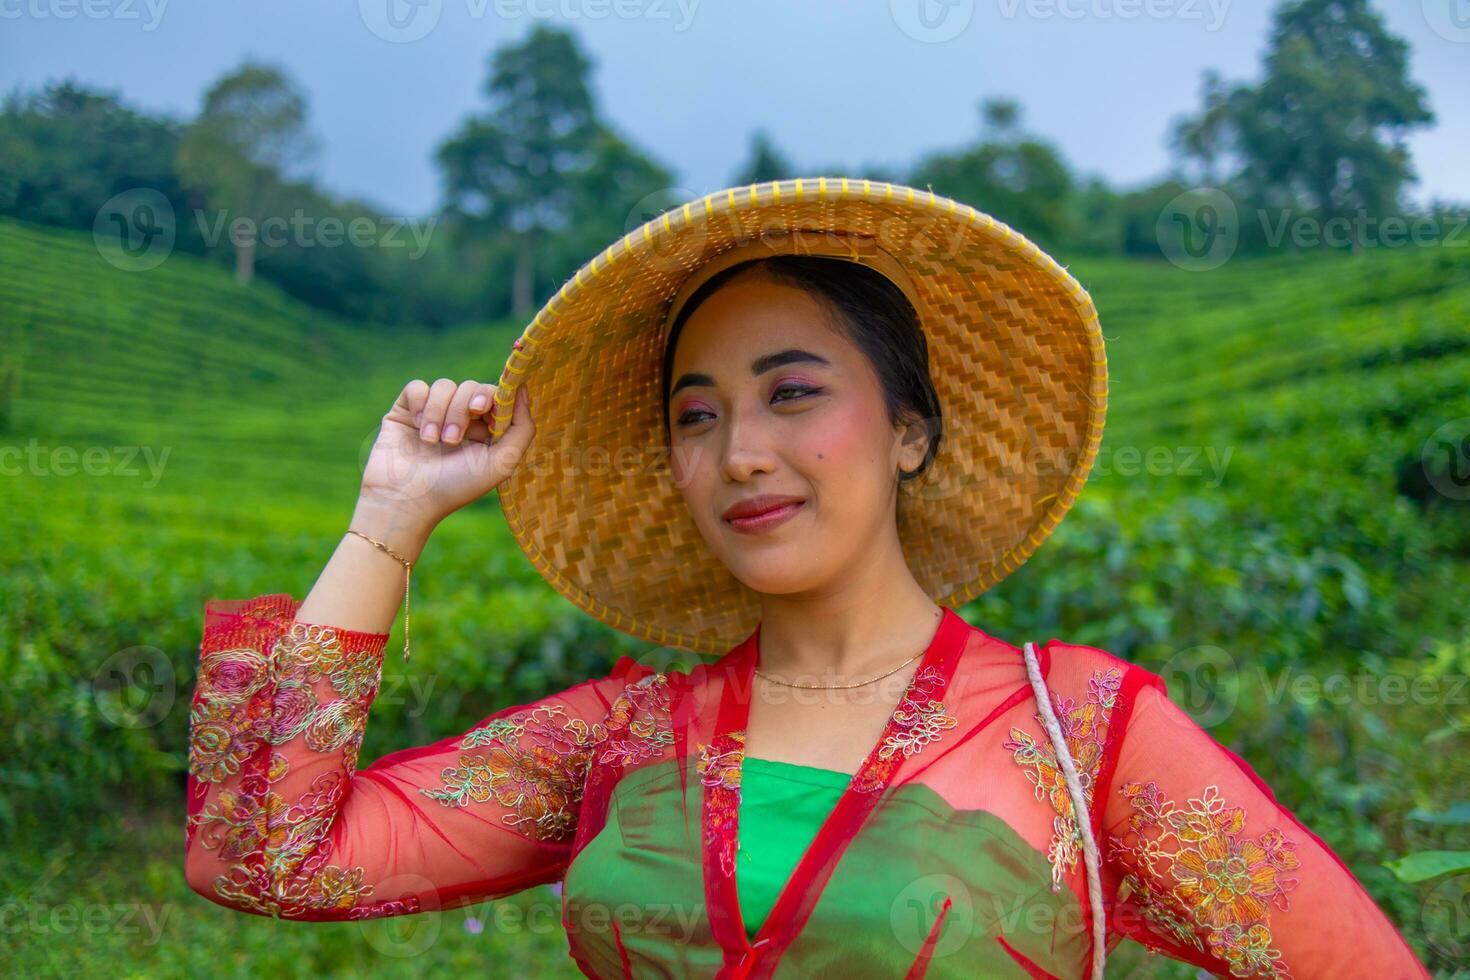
[759, 366]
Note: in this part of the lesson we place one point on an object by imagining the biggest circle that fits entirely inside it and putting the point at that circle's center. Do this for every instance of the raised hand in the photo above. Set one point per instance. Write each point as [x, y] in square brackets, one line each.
[433, 453]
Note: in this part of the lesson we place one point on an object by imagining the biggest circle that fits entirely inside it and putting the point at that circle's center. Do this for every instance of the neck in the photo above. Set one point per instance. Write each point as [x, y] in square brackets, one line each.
[866, 622]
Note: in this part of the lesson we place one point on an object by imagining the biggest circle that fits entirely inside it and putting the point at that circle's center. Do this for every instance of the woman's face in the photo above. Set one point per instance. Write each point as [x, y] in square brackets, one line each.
[771, 409]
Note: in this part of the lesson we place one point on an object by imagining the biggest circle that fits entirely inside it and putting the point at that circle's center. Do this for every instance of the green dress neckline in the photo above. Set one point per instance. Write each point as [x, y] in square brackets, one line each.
[782, 806]
[830, 776]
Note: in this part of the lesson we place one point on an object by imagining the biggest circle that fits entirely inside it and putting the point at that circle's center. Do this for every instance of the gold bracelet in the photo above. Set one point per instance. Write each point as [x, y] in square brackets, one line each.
[407, 573]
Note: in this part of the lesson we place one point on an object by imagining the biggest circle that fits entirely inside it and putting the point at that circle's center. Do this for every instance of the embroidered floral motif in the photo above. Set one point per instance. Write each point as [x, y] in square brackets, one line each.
[231, 676]
[230, 720]
[539, 783]
[919, 718]
[281, 847]
[222, 736]
[1085, 728]
[1195, 871]
[638, 727]
[719, 761]
[246, 701]
[719, 769]
[536, 762]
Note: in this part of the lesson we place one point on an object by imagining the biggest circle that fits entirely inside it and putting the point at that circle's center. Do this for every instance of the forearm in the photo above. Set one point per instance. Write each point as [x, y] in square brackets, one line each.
[361, 587]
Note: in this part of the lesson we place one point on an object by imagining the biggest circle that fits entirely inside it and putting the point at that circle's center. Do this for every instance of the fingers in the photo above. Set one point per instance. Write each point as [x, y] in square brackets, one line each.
[431, 420]
[457, 417]
[516, 438]
[482, 409]
[482, 402]
[479, 413]
[450, 413]
[410, 401]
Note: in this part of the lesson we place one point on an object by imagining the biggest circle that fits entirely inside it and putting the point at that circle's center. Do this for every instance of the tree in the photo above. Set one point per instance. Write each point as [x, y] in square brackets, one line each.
[1014, 176]
[1326, 125]
[1001, 117]
[250, 134]
[511, 169]
[66, 149]
[765, 163]
[619, 190]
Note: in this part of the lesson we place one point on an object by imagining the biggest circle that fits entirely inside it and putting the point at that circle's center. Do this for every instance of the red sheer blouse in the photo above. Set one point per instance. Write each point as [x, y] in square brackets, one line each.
[952, 852]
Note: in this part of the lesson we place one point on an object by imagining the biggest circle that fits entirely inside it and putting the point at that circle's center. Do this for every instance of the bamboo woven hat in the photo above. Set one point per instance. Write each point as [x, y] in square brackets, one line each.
[1015, 353]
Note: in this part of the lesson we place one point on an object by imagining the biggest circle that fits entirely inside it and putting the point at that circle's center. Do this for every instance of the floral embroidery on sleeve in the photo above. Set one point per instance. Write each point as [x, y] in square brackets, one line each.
[1195, 871]
[1085, 728]
[281, 845]
[638, 727]
[536, 762]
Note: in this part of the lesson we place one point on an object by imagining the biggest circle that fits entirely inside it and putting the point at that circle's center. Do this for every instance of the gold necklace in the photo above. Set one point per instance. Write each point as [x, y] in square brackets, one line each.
[833, 687]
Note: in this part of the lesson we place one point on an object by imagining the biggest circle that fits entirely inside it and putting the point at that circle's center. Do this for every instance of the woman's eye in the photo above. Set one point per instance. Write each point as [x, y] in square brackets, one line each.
[799, 391]
[781, 393]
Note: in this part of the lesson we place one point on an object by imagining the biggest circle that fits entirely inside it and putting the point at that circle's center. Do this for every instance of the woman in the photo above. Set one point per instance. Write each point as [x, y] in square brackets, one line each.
[863, 406]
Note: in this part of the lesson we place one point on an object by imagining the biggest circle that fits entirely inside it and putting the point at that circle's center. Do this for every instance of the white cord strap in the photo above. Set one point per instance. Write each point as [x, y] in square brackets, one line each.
[1079, 811]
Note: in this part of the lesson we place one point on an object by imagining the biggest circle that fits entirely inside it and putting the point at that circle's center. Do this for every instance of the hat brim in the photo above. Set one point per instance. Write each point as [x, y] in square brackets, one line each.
[1016, 357]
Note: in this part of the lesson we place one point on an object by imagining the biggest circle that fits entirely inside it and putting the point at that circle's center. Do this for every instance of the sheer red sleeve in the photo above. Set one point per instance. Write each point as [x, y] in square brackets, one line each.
[1212, 870]
[282, 823]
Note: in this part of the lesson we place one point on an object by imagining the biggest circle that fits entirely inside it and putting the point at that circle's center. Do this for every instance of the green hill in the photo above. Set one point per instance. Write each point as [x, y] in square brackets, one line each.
[1260, 493]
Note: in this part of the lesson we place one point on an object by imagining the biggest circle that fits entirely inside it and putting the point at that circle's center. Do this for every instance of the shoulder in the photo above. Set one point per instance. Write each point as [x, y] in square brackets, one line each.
[1074, 674]
[1058, 660]
[1065, 662]
[1090, 684]
[1083, 655]
[630, 676]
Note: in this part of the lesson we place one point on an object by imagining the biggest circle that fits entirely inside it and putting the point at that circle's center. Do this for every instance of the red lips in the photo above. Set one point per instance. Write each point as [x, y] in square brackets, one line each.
[755, 506]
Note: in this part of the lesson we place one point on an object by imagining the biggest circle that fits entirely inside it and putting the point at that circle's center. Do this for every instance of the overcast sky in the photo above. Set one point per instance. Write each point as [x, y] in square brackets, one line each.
[836, 84]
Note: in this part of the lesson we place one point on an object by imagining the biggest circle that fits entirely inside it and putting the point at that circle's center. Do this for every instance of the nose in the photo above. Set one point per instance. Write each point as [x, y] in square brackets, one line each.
[746, 449]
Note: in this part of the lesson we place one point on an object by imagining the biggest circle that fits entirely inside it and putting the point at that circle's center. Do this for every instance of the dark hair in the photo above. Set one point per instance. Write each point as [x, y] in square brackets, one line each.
[870, 310]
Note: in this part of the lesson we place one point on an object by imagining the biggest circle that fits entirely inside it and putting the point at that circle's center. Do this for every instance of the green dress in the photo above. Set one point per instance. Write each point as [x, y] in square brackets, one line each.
[782, 806]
